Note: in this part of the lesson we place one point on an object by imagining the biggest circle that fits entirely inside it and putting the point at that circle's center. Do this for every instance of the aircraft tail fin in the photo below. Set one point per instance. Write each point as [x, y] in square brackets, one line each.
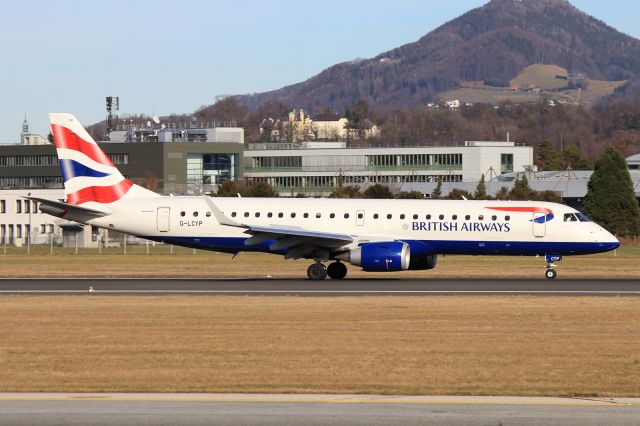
[87, 172]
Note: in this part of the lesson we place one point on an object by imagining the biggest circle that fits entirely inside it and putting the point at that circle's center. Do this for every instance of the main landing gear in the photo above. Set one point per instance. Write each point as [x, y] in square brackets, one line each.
[336, 271]
[551, 273]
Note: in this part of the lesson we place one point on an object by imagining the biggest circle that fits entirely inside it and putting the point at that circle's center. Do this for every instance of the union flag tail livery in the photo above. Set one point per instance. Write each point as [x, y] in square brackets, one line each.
[376, 235]
[88, 174]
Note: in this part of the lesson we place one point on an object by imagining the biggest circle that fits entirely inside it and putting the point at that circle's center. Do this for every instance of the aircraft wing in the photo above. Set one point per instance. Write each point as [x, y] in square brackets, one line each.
[297, 242]
[68, 211]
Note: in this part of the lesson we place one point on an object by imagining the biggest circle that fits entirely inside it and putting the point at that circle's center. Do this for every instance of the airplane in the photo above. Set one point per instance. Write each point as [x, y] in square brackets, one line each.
[376, 235]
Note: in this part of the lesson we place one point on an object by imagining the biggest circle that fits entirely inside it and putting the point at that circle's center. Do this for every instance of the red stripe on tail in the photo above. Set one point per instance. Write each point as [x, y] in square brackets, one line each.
[100, 194]
[65, 138]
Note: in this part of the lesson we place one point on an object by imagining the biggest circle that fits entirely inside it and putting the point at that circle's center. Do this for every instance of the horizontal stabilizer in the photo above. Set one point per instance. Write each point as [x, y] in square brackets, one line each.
[67, 211]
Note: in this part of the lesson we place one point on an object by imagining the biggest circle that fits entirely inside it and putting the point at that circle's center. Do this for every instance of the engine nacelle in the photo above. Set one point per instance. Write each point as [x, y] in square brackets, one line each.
[419, 263]
[381, 257]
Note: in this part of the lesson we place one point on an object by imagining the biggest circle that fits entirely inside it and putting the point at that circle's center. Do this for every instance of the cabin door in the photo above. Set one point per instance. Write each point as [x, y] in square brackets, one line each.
[539, 224]
[360, 217]
[163, 219]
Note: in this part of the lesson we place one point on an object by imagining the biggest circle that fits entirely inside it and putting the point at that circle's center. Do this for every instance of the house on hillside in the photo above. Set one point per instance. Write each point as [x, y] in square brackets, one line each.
[299, 127]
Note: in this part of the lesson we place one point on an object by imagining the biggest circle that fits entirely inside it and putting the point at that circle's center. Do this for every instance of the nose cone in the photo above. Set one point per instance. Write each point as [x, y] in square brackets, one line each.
[609, 241]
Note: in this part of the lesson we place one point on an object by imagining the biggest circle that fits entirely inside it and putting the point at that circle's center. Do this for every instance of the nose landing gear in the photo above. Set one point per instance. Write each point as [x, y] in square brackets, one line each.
[551, 273]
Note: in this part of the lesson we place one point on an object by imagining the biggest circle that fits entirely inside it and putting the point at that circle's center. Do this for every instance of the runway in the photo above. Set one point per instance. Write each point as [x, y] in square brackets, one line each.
[274, 409]
[298, 287]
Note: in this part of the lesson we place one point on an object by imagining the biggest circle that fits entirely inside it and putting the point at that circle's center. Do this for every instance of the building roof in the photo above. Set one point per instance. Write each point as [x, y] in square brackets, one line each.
[327, 117]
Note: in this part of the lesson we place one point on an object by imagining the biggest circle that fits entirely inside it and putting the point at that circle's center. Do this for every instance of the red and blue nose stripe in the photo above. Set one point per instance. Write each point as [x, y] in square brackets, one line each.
[542, 219]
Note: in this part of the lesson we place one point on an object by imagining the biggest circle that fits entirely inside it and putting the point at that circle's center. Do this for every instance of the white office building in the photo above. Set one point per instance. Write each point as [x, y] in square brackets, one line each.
[22, 223]
[318, 167]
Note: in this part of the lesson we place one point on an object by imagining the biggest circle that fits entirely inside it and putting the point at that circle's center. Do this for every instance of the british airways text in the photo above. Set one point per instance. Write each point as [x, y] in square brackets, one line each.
[455, 227]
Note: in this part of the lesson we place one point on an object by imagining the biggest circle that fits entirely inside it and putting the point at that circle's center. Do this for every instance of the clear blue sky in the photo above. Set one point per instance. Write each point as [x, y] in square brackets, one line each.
[166, 56]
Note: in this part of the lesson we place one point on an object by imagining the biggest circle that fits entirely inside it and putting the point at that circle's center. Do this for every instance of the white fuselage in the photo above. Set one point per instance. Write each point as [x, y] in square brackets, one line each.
[444, 226]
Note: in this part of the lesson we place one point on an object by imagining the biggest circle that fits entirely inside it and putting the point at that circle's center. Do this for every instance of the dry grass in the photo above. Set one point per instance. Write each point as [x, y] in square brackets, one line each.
[257, 265]
[418, 345]
[541, 75]
[595, 90]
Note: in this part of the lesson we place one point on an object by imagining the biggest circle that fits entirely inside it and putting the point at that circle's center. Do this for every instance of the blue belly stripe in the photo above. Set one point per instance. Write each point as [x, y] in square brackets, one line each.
[418, 247]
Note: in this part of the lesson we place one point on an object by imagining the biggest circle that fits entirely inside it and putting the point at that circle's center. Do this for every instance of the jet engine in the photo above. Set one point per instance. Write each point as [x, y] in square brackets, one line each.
[419, 263]
[388, 257]
[380, 257]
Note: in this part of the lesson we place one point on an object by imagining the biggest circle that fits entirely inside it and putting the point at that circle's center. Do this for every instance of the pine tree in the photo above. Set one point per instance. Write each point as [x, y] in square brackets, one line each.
[521, 190]
[572, 157]
[548, 157]
[481, 190]
[502, 194]
[377, 191]
[231, 188]
[410, 195]
[458, 194]
[262, 189]
[437, 191]
[346, 192]
[610, 199]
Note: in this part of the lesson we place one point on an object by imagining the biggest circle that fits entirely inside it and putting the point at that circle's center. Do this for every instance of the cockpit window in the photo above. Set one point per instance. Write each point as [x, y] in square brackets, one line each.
[570, 217]
[583, 217]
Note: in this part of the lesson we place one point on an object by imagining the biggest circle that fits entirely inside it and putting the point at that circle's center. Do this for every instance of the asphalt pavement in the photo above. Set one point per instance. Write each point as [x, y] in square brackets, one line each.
[298, 287]
[229, 409]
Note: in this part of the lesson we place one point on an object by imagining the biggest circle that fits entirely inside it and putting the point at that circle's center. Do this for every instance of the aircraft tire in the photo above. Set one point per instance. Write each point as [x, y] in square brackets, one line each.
[317, 271]
[337, 270]
[551, 274]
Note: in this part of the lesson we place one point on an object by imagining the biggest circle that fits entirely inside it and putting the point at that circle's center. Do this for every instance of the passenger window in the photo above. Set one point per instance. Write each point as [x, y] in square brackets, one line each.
[507, 218]
[208, 214]
[257, 214]
[293, 215]
[280, 214]
[195, 214]
[306, 215]
[428, 217]
[318, 215]
[182, 214]
[232, 214]
[246, 214]
[346, 215]
[467, 217]
[389, 216]
[481, 217]
[269, 214]
[494, 217]
[402, 216]
[415, 216]
[454, 217]
[375, 215]
[441, 217]
[360, 215]
[332, 215]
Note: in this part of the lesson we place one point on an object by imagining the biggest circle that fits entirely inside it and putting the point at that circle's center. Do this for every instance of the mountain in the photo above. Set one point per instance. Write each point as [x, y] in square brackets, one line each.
[492, 44]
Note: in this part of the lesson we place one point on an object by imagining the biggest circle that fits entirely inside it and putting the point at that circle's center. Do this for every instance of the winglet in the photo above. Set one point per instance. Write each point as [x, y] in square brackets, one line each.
[220, 217]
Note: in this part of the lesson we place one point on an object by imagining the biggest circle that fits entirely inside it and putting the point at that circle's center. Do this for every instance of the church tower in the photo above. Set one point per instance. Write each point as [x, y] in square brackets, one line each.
[25, 129]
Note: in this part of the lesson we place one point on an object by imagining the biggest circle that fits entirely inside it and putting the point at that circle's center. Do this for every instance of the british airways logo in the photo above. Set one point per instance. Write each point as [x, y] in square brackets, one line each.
[87, 172]
[464, 226]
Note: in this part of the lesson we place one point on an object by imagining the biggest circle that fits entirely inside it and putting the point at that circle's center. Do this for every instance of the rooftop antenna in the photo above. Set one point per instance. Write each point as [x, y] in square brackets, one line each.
[113, 103]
